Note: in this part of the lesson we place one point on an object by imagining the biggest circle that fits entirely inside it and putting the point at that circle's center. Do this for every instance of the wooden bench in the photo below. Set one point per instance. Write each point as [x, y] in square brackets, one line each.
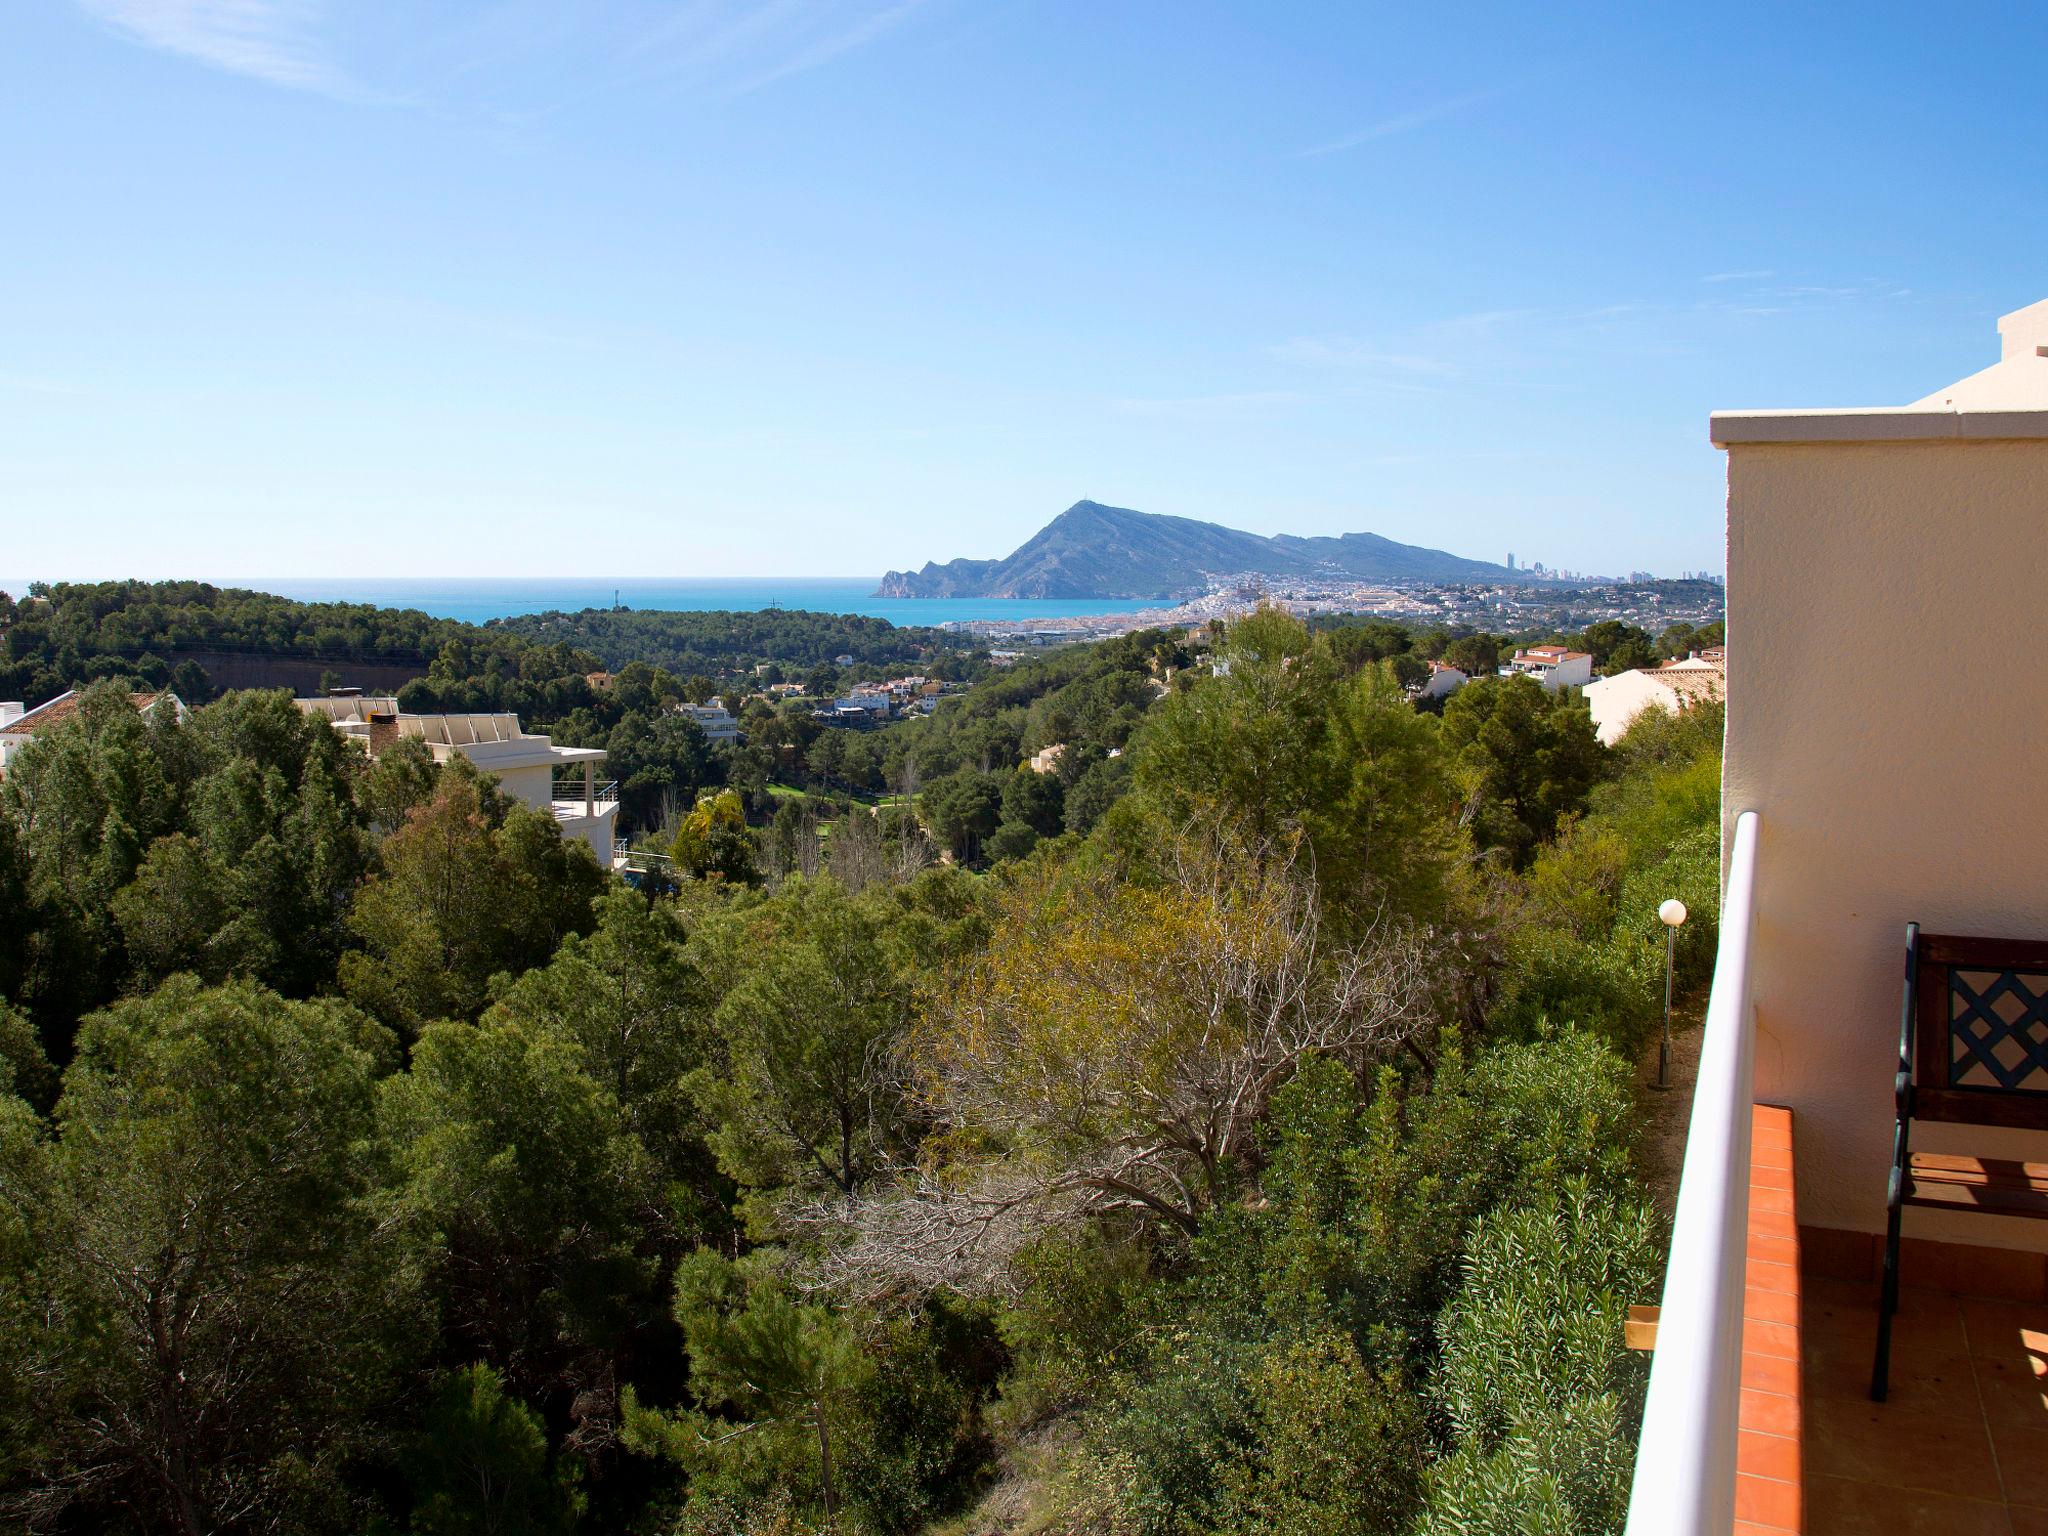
[1973, 1050]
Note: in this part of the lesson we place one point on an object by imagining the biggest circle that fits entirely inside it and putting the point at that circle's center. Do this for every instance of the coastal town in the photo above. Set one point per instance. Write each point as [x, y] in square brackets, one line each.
[1500, 607]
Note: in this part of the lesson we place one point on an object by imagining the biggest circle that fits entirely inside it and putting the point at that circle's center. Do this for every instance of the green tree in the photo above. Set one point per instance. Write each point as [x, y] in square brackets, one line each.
[87, 796]
[1034, 800]
[471, 885]
[787, 1372]
[1474, 655]
[1616, 646]
[1285, 749]
[1101, 784]
[479, 1466]
[212, 1184]
[713, 842]
[1544, 1398]
[964, 810]
[634, 1000]
[805, 1094]
[656, 758]
[545, 1211]
[1531, 756]
[18, 917]
[398, 783]
[258, 882]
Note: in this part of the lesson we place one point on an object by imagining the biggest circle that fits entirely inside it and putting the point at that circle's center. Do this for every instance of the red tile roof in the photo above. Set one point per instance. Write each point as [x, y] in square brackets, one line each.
[62, 708]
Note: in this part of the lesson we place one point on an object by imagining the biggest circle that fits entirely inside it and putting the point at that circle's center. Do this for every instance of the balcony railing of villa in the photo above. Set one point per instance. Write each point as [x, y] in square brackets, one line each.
[1686, 1458]
[570, 790]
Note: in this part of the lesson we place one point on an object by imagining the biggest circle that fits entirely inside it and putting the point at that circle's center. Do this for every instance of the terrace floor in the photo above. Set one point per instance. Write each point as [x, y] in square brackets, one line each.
[1961, 1446]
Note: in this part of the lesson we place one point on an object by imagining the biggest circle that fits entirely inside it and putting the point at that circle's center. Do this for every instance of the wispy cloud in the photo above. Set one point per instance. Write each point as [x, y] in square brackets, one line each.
[824, 49]
[1738, 277]
[484, 56]
[734, 47]
[273, 40]
[32, 384]
[1210, 407]
[1413, 369]
[1405, 122]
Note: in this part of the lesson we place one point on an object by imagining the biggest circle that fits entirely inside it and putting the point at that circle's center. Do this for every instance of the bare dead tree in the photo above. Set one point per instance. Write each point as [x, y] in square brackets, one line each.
[1117, 1054]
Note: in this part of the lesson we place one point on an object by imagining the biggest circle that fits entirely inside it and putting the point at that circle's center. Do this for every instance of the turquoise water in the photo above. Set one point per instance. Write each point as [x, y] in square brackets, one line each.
[476, 599]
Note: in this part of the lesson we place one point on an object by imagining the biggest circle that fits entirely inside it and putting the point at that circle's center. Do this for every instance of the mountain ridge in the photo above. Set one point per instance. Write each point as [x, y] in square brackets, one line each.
[1092, 551]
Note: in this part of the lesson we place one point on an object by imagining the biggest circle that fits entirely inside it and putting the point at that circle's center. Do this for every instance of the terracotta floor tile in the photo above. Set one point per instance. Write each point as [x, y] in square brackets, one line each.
[1772, 1224]
[1843, 1507]
[1767, 1501]
[1923, 1379]
[2028, 1522]
[1842, 1307]
[2007, 1272]
[2012, 1390]
[2008, 1330]
[2022, 1462]
[1895, 1447]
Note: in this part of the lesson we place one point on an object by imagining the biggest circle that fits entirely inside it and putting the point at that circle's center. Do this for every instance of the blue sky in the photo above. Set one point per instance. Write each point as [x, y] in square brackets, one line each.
[726, 287]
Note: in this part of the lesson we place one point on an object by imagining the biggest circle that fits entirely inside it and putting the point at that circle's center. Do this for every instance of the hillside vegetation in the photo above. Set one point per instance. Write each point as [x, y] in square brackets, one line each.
[163, 634]
[1258, 1157]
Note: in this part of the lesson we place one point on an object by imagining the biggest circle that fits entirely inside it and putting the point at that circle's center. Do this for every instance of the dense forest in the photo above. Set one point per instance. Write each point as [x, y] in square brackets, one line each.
[1251, 1149]
[57, 636]
[731, 645]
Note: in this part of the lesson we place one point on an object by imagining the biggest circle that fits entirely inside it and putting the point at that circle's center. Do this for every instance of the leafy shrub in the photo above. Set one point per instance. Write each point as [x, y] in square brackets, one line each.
[1541, 1391]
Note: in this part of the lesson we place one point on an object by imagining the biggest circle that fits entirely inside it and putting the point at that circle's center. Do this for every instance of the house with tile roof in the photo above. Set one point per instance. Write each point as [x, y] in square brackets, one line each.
[1554, 666]
[20, 725]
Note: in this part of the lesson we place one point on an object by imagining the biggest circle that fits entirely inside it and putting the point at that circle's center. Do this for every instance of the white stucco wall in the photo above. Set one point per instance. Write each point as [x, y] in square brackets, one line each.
[531, 786]
[1888, 716]
[1617, 700]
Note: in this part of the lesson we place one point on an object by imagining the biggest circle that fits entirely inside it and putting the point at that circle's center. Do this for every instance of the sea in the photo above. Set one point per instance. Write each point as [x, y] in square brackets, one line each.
[476, 599]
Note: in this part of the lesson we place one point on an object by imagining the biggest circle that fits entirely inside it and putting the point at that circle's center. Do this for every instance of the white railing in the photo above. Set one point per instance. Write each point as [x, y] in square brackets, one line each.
[1685, 1461]
[640, 860]
[569, 790]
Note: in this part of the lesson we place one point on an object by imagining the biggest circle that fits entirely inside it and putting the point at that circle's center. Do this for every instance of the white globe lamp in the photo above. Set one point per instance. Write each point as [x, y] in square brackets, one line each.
[1671, 912]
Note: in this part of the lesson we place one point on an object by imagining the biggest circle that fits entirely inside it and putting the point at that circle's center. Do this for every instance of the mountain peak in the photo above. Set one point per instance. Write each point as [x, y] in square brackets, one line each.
[1094, 551]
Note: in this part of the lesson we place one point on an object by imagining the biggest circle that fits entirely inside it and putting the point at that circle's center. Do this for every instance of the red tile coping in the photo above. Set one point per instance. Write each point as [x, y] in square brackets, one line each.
[1768, 1487]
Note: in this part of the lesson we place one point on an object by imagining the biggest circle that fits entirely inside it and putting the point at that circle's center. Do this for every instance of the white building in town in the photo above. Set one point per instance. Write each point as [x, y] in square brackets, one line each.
[714, 720]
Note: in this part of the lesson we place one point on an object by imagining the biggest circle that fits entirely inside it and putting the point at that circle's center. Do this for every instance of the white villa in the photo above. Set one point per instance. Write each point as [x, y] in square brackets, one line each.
[1554, 666]
[527, 767]
[1443, 681]
[1616, 701]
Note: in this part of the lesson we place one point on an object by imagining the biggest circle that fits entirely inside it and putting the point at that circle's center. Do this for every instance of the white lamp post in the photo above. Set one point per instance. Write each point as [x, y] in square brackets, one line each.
[1671, 913]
